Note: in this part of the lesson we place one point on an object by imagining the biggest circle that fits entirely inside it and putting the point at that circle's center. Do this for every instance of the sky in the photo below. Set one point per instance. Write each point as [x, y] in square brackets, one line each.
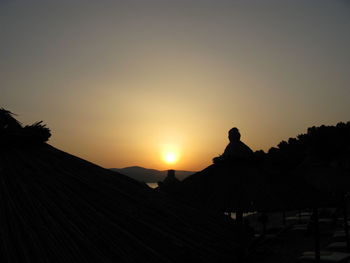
[123, 83]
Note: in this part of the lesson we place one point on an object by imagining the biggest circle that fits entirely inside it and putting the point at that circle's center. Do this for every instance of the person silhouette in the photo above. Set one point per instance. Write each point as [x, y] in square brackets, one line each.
[236, 150]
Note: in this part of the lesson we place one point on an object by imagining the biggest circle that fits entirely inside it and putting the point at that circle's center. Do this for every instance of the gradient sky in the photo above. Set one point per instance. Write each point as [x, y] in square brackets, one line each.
[120, 82]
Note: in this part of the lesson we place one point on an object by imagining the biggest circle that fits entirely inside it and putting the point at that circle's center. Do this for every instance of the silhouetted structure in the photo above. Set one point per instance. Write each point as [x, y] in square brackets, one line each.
[170, 179]
[235, 182]
[170, 183]
[236, 150]
[247, 182]
[56, 207]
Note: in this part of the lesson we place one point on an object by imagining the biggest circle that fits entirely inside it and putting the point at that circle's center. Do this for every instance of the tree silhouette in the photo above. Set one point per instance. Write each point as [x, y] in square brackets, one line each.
[323, 144]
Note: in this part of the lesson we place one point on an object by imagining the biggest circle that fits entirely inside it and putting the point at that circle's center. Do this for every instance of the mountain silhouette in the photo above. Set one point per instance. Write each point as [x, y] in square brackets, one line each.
[145, 175]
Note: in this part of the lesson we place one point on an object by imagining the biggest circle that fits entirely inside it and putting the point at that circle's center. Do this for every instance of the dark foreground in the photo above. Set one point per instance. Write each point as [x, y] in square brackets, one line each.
[287, 243]
[56, 207]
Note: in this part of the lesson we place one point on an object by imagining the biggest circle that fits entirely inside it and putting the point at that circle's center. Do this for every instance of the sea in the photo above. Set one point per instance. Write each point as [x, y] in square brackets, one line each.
[152, 185]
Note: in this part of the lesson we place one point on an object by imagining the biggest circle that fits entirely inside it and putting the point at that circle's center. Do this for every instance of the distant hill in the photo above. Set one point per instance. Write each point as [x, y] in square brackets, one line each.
[149, 175]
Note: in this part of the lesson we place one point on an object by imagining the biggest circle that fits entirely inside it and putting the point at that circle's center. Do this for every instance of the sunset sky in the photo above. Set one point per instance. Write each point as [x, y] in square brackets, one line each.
[124, 83]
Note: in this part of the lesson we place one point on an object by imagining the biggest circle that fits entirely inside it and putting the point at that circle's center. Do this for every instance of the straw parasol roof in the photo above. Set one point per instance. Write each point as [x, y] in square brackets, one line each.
[231, 187]
[56, 207]
[251, 187]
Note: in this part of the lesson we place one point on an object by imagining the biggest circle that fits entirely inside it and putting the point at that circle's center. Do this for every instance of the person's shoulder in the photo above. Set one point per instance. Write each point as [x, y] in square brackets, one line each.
[242, 144]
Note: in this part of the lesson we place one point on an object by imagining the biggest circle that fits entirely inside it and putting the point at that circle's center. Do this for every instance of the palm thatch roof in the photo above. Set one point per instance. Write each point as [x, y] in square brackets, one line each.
[55, 207]
[229, 188]
[249, 187]
[13, 134]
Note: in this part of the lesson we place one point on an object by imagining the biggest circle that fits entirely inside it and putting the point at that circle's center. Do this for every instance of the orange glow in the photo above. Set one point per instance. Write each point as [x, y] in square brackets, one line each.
[170, 157]
[158, 86]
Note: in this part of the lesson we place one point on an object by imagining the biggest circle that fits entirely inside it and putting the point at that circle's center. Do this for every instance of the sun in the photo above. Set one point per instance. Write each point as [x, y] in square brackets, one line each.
[170, 153]
[170, 157]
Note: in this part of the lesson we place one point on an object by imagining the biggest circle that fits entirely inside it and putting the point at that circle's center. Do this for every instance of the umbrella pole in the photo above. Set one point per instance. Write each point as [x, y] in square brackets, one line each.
[346, 226]
[317, 236]
[239, 217]
[240, 230]
[264, 224]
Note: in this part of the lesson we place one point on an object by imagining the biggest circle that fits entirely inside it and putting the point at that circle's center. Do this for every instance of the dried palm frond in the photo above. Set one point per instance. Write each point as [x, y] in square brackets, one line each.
[7, 121]
[13, 134]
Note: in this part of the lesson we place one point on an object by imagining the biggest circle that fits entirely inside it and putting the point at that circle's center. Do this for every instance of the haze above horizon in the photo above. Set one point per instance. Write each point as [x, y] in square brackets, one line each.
[123, 83]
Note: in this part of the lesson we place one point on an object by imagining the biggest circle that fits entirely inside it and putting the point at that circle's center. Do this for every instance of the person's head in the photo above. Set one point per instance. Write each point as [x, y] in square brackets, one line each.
[234, 135]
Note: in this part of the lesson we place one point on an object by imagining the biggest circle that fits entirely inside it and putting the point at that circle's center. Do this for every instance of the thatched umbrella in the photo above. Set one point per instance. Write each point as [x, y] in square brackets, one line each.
[250, 187]
[229, 188]
[232, 187]
[56, 207]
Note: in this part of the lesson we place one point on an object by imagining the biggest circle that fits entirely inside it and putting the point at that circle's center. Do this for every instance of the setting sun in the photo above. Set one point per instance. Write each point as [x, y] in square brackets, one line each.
[170, 157]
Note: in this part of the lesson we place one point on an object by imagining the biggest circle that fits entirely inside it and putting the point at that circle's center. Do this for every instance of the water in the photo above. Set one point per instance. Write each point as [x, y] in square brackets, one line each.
[233, 215]
[152, 185]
